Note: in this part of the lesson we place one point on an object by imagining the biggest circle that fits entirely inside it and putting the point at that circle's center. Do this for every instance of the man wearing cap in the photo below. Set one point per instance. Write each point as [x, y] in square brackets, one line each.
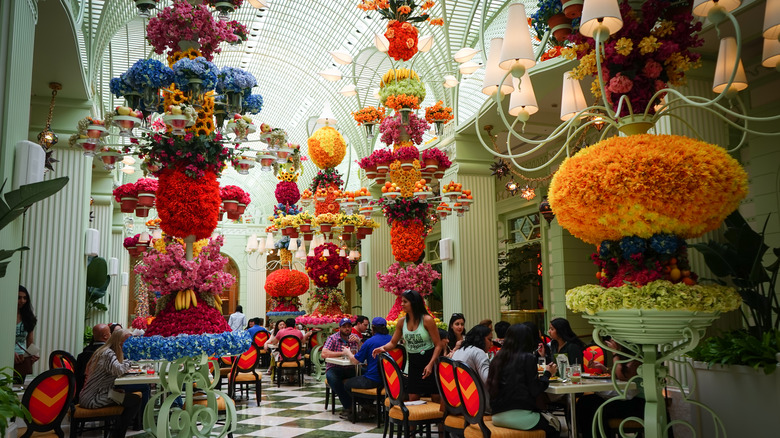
[370, 378]
[341, 344]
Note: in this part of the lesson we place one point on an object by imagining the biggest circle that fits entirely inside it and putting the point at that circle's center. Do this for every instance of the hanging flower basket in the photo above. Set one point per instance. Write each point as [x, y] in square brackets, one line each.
[349, 228]
[307, 237]
[230, 205]
[142, 211]
[325, 227]
[650, 326]
[369, 130]
[146, 199]
[234, 216]
[572, 8]
[128, 204]
[405, 115]
[306, 227]
[560, 26]
[241, 208]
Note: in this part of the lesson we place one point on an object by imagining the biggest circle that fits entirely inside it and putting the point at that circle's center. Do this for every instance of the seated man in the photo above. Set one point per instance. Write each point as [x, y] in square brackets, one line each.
[100, 334]
[370, 378]
[256, 326]
[361, 327]
[337, 345]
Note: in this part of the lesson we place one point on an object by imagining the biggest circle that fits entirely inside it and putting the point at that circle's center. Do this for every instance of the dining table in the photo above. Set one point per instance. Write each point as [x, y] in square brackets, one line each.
[585, 385]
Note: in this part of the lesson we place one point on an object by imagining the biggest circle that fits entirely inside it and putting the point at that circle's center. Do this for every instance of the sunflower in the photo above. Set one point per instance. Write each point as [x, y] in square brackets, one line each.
[201, 132]
[176, 97]
[200, 123]
[210, 124]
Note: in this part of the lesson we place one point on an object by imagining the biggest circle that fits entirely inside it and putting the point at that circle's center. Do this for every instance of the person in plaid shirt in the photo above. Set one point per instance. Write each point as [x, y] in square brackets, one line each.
[335, 346]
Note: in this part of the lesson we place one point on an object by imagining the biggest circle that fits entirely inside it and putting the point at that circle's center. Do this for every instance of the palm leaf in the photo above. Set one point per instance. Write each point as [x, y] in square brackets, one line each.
[18, 201]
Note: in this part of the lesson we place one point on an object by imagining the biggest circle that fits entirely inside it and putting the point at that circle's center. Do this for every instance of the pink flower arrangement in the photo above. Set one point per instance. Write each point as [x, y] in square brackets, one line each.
[234, 193]
[382, 157]
[438, 155]
[125, 191]
[398, 279]
[130, 242]
[185, 22]
[170, 272]
[146, 185]
[287, 192]
[366, 162]
[391, 129]
[407, 153]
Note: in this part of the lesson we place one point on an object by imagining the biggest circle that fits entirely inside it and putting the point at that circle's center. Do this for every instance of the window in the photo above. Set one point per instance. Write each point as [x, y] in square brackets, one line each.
[525, 229]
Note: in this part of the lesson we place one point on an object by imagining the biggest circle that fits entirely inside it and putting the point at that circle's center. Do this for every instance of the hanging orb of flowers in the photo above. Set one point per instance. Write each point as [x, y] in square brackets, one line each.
[286, 283]
[327, 270]
[407, 239]
[642, 185]
[327, 147]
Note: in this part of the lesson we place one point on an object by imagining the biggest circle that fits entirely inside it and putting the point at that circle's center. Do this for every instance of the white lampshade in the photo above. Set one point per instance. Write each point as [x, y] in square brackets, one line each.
[331, 74]
[342, 252]
[157, 234]
[772, 20]
[727, 56]
[311, 251]
[572, 98]
[300, 254]
[702, 7]
[326, 252]
[381, 42]
[450, 81]
[425, 43]
[468, 67]
[341, 57]
[493, 73]
[375, 92]
[269, 241]
[293, 244]
[260, 244]
[128, 160]
[144, 237]
[465, 54]
[771, 54]
[598, 15]
[259, 4]
[523, 97]
[348, 90]
[251, 243]
[517, 54]
[128, 170]
[354, 255]
[327, 117]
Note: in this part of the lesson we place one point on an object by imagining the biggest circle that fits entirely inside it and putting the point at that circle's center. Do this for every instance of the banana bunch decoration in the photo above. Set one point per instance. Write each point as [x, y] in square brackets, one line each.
[398, 74]
[185, 298]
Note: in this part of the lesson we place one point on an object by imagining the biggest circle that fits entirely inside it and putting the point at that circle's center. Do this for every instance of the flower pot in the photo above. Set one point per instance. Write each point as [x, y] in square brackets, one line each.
[560, 26]
[369, 130]
[380, 179]
[221, 215]
[431, 164]
[407, 163]
[146, 199]
[151, 98]
[572, 8]
[294, 234]
[371, 175]
[132, 250]
[241, 208]
[439, 174]
[307, 237]
[306, 228]
[234, 216]
[381, 169]
[195, 92]
[365, 230]
[233, 102]
[288, 230]
[349, 228]
[142, 211]
[230, 205]
[405, 115]
[650, 326]
[128, 204]
[439, 127]
[133, 100]
[325, 228]
[346, 237]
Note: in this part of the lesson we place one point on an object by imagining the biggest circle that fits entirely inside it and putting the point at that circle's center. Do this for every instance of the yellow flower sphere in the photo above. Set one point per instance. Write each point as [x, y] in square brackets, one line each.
[327, 147]
[646, 184]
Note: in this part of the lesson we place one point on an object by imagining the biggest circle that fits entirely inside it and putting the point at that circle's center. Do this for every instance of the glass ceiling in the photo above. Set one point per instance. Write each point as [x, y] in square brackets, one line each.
[288, 44]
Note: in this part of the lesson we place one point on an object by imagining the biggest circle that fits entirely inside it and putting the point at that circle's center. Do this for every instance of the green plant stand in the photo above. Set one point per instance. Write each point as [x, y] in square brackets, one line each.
[177, 379]
[651, 337]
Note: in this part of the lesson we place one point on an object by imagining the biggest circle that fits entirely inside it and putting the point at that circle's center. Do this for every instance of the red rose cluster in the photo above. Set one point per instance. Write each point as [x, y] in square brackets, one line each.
[403, 40]
[327, 271]
[287, 192]
[407, 238]
[188, 206]
[196, 320]
[286, 283]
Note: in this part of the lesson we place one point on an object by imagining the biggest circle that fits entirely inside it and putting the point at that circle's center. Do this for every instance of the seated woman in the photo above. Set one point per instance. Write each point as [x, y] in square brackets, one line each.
[473, 350]
[514, 384]
[564, 341]
[102, 369]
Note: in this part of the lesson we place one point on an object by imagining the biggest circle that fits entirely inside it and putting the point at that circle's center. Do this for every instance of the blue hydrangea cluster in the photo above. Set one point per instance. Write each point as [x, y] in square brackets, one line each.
[235, 80]
[253, 104]
[283, 315]
[664, 243]
[631, 245]
[176, 347]
[121, 86]
[198, 68]
[286, 210]
[605, 249]
[150, 73]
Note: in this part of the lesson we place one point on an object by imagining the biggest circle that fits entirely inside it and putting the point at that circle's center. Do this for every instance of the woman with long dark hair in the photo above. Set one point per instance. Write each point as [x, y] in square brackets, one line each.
[564, 341]
[25, 324]
[455, 331]
[421, 339]
[473, 351]
[542, 349]
[513, 383]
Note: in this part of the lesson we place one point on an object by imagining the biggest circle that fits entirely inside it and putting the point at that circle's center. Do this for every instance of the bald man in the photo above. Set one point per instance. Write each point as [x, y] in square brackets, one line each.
[100, 334]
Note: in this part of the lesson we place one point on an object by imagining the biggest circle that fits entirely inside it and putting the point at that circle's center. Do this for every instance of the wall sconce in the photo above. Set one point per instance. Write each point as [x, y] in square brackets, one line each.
[251, 244]
[363, 269]
[113, 266]
[92, 243]
[445, 249]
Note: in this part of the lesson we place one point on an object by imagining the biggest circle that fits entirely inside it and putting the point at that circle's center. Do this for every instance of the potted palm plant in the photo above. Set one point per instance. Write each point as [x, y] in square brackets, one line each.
[518, 283]
[10, 403]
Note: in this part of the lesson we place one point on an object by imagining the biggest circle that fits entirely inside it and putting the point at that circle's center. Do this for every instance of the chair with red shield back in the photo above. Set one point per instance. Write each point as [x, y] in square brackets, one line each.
[407, 418]
[448, 390]
[62, 359]
[244, 373]
[48, 398]
[259, 340]
[473, 398]
[377, 395]
[592, 353]
[289, 358]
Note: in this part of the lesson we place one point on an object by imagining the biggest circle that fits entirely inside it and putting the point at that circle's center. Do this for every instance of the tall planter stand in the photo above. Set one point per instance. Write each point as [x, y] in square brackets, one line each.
[648, 336]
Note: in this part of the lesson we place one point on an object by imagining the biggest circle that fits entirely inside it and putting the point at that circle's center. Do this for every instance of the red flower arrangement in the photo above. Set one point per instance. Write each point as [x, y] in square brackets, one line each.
[125, 191]
[131, 242]
[327, 271]
[287, 192]
[406, 153]
[196, 320]
[403, 40]
[146, 185]
[407, 238]
[187, 206]
[437, 155]
[286, 283]
[234, 193]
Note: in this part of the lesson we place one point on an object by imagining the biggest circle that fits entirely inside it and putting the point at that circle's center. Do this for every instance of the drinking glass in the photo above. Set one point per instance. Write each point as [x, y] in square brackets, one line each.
[542, 363]
[576, 373]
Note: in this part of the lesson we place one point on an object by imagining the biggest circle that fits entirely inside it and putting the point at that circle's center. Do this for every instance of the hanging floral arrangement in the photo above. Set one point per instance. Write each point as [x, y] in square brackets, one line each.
[398, 279]
[327, 270]
[188, 206]
[327, 147]
[401, 31]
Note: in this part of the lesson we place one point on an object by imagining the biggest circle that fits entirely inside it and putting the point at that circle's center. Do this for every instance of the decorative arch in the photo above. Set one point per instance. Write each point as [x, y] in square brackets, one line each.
[231, 297]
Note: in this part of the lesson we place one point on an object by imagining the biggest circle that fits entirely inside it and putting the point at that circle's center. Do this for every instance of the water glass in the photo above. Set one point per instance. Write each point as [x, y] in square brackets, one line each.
[542, 363]
[575, 372]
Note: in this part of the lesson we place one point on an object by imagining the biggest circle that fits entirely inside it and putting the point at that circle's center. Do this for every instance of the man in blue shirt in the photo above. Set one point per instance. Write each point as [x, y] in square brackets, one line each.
[256, 325]
[370, 378]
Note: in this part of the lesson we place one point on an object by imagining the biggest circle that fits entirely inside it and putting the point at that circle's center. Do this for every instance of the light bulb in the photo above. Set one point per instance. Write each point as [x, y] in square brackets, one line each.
[311, 251]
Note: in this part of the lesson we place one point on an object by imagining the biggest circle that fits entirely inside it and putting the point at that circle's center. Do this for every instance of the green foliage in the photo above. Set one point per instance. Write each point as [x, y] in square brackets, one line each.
[10, 404]
[740, 348]
[97, 284]
[17, 202]
[513, 273]
[87, 335]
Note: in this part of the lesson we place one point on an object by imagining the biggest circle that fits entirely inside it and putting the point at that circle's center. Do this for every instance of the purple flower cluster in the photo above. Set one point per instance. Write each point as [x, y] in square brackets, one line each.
[393, 131]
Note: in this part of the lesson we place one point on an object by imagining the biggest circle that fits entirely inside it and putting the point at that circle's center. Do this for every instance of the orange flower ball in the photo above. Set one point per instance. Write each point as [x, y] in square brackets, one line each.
[327, 147]
[646, 184]
[286, 283]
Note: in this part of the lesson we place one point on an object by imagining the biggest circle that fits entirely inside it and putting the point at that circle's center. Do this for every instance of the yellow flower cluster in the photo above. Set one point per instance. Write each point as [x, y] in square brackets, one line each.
[649, 44]
[289, 176]
[646, 184]
[663, 29]
[624, 46]
[586, 67]
[677, 65]
[325, 218]
[160, 245]
[405, 179]
[327, 147]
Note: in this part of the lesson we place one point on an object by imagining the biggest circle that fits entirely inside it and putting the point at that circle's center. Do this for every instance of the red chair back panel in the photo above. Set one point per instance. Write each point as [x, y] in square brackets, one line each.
[260, 338]
[248, 359]
[49, 398]
[468, 390]
[290, 347]
[392, 378]
[448, 386]
[313, 341]
[60, 361]
[398, 355]
[592, 353]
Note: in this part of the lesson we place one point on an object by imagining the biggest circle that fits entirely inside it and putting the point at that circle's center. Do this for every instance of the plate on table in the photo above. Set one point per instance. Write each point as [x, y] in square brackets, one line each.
[596, 376]
[555, 379]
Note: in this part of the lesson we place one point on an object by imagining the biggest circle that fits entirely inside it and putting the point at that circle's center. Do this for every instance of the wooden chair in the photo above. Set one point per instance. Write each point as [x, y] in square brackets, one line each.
[48, 398]
[472, 396]
[259, 340]
[289, 359]
[244, 373]
[454, 423]
[62, 359]
[399, 355]
[407, 418]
